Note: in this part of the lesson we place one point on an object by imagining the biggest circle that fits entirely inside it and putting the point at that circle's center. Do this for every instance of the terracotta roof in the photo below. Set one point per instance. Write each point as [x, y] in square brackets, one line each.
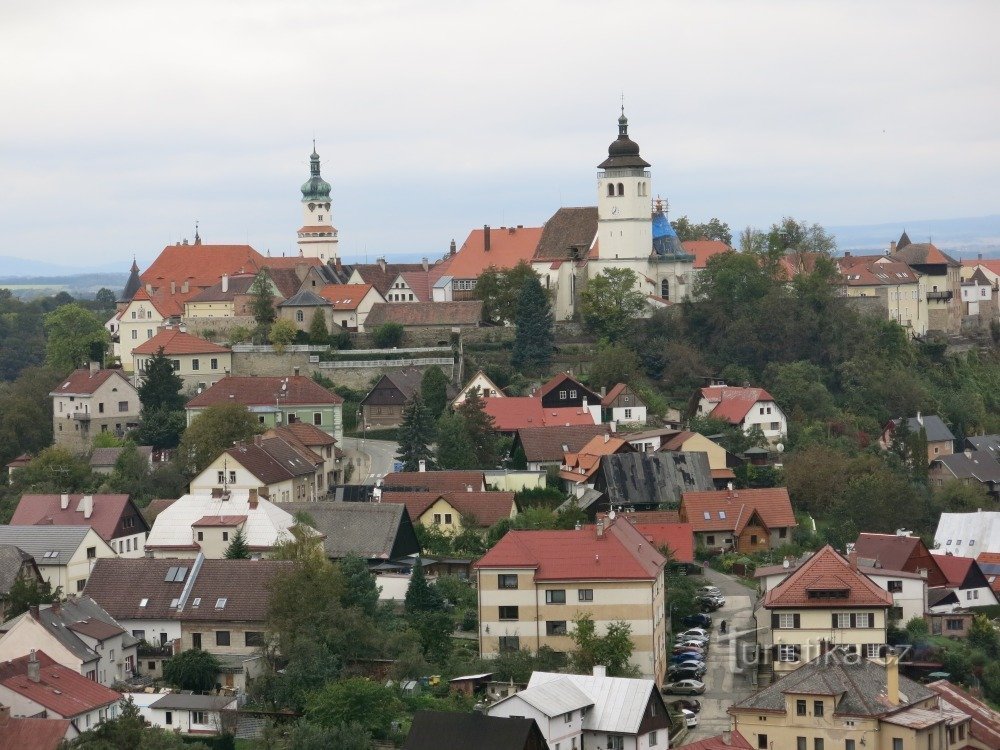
[924, 253]
[201, 266]
[567, 228]
[261, 391]
[175, 341]
[879, 274]
[677, 537]
[736, 742]
[731, 510]
[434, 481]
[613, 394]
[486, 507]
[235, 285]
[581, 466]
[420, 283]
[83, 382]
[622, 553]
[985, 725]
[60, 689]
[893, 551]
[564, 377]
[551, 443]
[676, 441]
[290, 261]
[32, 734]
[733, 403]
[382, 277]
[245, 585]
[307, 434]
[465, 313]
[108, 512]
[827, 570]
[508, 246]
[272, 460]
[955, 568]
[850, 259]
[652, 516]
[518, 412]
[345, 296]
[702, 250]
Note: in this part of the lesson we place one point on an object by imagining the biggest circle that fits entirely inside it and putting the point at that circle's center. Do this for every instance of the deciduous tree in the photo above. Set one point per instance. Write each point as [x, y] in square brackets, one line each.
[212, 432]
[356, 700]
[500, 291]
[713, 229]
[611, 302]
[612, 650]
[434, 391]
[74, 336]
[282, 333]
[192, 670]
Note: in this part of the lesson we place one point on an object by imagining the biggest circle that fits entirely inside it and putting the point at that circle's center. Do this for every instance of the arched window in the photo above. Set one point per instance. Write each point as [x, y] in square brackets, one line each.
[611, 189]
[621, 189]
[665, 289]
[299, 316]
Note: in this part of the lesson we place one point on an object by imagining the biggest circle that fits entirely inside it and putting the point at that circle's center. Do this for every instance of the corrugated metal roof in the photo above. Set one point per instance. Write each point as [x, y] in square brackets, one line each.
[967, 534]
[619, 702]
[554, 698]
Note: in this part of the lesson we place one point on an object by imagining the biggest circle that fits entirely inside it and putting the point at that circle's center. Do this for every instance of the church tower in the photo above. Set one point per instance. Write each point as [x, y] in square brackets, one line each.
[317, 236]
[624, 210]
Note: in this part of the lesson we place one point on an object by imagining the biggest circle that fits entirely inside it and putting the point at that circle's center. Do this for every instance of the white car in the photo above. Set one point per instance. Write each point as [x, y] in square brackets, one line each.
[709, 591]
[690, 717]
[694, 633]
[684, 687]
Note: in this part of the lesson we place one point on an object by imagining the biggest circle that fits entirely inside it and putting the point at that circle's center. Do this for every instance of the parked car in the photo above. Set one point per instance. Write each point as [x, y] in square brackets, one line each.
[701, 620]
[690, 717]
[693, 642]
[694, 633]
[683, 659]
[691, 704]
[709, 603]
[684, 687]
[709, 590]
[687, 673]
[698, 650]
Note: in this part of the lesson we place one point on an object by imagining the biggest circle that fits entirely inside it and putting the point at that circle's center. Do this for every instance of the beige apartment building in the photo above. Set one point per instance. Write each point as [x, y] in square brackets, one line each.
[897, 290]
[534, 584]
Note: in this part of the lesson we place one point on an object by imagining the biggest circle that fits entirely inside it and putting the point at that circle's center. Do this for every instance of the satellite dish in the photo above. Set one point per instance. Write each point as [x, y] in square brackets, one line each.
[780, 447]
[785, 563]
[611, 515]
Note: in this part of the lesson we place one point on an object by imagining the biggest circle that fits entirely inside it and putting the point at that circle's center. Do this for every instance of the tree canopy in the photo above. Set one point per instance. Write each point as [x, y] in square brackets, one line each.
[611, 301]
[262, 299]
[713, 229]
[213, 431]
[500, 291]
[74, 336]
[534, 321]
[434, 391]
[416, 435]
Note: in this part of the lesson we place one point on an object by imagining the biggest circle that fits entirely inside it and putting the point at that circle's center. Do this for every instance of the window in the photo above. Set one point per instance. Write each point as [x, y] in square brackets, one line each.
[611, 194]
[665, 289]
[508, 613]
[225, 536]
[775, 425]
[555, 627]
[782, 533]
[722, 515]
[135, 334]
[81, 584]
[753, 539]
[214, 363]
[198, 717]
[572, 393]
[621, 191]
[140, 634]
[201, 536]
[562, 395]
[232, 476]
[509, 643]
[616, 742]
[507, 581]
[652, 739]
[585, 595]
[761, 742]
[710, 539]
[800, 743]
[123, 406]
[872, 650]
[849, 745]
[800, 708]
[853, 620]
[895, 587]
[447, 519]
[91, 553]
[317, 417]
[221, 637]
[953, 624]
[221, 475]
[897, 743]
[196, 640]
[628, 414]
[437, 518]
[817, 708]
[195, 364]
[299, 317]
[788, 621]
[100, 408]
[176, 364]
[169, 718]
[788, 653]
[818, 743]
[555, 596]
[253, 639]
[149, 333]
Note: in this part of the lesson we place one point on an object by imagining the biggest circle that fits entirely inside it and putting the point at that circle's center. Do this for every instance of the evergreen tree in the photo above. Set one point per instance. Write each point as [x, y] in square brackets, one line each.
[533, 339]
[415, 435]
[454, 448]
[161, 388]
[319, 333]
[481, 430]
[262, 299]
[238, 548]
[420, 595]
[360, 589]
[434, 390]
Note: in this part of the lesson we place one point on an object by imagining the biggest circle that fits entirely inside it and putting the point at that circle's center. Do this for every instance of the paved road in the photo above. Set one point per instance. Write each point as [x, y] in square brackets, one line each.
[372, 458]
[727, 678]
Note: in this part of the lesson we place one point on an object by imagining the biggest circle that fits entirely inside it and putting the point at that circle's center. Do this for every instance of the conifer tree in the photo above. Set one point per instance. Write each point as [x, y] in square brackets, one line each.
[434, 390]
[481, 430]
[533, 339]
[420, 596]
[262, 299]
[238, 548]
[454, 448]
[161, 421]
[319, 334]
[415, 435]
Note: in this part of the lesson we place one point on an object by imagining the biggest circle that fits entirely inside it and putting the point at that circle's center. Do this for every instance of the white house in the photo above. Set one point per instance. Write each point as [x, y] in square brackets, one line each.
[90, 401]
[279, 470]
[65, 555]
[968, 534]
[184, 713]
[908, 591]
[622, 405]
[744, 407]
[487, 389]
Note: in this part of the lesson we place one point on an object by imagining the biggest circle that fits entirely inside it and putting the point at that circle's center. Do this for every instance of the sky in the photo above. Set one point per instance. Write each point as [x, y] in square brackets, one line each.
[126, 122]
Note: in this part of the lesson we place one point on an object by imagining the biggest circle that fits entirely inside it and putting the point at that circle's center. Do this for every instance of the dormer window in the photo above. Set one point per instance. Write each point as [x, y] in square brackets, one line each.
[722, 515]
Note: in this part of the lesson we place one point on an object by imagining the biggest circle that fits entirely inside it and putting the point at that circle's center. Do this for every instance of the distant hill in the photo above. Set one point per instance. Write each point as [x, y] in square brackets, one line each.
[78, 285]
[962, 238]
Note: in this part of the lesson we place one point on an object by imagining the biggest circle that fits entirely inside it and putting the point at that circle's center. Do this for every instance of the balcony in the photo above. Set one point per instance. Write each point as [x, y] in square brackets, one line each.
[939, 296]
[82, 415]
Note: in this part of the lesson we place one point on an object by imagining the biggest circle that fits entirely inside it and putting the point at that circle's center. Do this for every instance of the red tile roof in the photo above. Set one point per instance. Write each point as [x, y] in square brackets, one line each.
[985, 721]
[584, 464]
[32, 734]
[434, 481]
[551, 443]
[345, 296]
[290, 261]
[518, 412]
[420, 283]
[83, 382]
[613, 394]
[303, 432]
[733, 403]
[108, 512]
[652, 516]
[486, 507]
[175, 341]
[771, 504]
[622, 553]
[677, 537]
[827, 570]
[924, 253]
[261, 391]
[61, 690]
[508, 246]
[955, 568]
[879, 274]
[702, 250]
[898, 552]
[736, 742]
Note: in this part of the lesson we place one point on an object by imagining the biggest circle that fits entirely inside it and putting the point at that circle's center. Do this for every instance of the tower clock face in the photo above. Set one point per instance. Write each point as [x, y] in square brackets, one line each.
[614, 210]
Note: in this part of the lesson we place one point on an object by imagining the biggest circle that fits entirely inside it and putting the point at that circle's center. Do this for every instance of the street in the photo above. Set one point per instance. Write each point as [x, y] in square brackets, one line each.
[372, 459]
[728, 678]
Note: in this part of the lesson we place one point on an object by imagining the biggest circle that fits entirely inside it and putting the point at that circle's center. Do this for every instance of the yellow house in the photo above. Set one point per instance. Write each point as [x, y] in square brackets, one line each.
[695, 442]
[451, 511]
[843, 701]
[894, 288]
[65, 555]
[198, 362]
[279, 470]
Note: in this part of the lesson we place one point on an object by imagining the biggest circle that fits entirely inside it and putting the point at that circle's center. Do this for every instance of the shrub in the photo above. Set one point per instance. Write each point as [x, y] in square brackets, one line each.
[388, 335]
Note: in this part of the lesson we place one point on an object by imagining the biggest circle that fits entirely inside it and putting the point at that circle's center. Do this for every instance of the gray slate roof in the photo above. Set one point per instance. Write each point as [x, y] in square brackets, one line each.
[37, 540]
[937, 431]
[305, 298]
[12, 559]
[369, 530]
[440, 730]
[109, 456]
[980, 465]
[192, 702]
[988, 443]
[652, 478]
[859, 683]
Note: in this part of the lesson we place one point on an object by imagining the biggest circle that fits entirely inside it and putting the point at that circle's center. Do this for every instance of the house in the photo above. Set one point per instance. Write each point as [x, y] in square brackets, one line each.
[103, 460]
[593, 710]
[622, 405]
[650, 441]
[115, 518]
[464, 314]
[435, 481]
[838, 700]
[18, 463]
[966, 581]
[276, 401]
[579, 469]
[746, 521]
[453, 511]
[184, 713]
[198, 362]
[64, 554]
[940, 441]
[564, 390]
[277, 469]
[968, 534]
[892, 287]
[481, 383]
[15, 565]
[229, 297]
[76, 633]
[977, 295]
[703, 250]
[744, 407]
[974, 468]
[515, 413]
[826, 601]
[485, 248]
[31, 734]
[720, 461]
[943, 295]
[35, 685]
[207, 523]
[545, 447]
[350, 305]
[90, 401]
[646, 481]
[447, 730]
[533, 584]
[983, 732]
[376, 532]
[380, 274]
[900, 551]
[412, 286]
[384, 404]
[307, 437]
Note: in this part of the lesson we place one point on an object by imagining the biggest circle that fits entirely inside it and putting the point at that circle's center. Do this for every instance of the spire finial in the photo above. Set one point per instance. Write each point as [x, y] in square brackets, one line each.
[197, 237]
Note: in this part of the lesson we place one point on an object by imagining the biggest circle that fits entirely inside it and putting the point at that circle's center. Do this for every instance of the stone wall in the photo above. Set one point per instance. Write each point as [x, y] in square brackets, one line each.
[220, 326]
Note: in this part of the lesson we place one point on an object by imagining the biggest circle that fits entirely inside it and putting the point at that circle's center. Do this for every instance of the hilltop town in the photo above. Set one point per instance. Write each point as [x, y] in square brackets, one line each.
[617, 481]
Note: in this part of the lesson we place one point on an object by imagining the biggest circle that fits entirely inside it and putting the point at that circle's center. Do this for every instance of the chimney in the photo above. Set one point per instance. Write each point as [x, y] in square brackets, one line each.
[727, 737]
[600, 529]
[88, 506]
[33, 610]
[216, 493]
[4, 715]
[264, 493]
[824, 646]
[847, 253]
[486, 237]
[980, 256]
[892, 246]
[381, 263]
[920, 419]
[95, 366]
[421, 465]
[600, 670]
[585, 404]
[337, 263]
[34, 668]
[613, 425]
[852, 558]
[225, 282]
[604, 391]
[451, 248]
[607, 437]
[64, 501]
[258, 440]
[424, 263]
[968, 453]
[253, 501]
[892, 677]
[173, 287]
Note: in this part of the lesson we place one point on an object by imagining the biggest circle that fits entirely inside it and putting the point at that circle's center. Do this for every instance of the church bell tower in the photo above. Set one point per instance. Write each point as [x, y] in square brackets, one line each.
[624, 210]
[317, 237]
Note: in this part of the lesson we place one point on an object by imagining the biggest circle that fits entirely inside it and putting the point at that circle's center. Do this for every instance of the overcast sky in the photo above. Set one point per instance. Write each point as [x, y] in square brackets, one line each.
[124, 122]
